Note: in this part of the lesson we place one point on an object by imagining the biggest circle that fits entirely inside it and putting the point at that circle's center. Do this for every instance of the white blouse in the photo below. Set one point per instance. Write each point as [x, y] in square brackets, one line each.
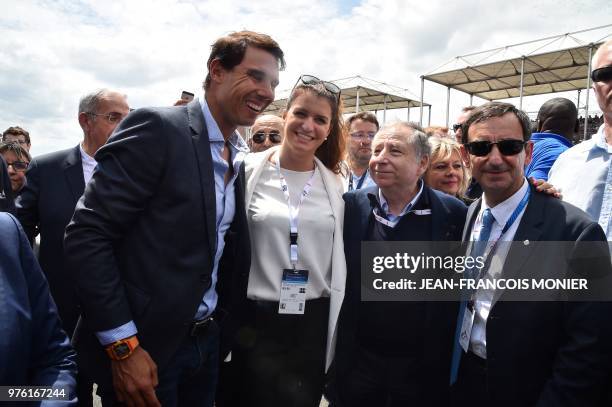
[268, 217]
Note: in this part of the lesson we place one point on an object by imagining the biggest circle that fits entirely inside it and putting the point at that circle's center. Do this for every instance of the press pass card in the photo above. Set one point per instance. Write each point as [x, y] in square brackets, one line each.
[293, 292]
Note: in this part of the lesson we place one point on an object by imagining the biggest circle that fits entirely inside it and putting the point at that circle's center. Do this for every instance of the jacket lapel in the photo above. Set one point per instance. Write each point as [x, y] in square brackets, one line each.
[73, 170]
[201, 144]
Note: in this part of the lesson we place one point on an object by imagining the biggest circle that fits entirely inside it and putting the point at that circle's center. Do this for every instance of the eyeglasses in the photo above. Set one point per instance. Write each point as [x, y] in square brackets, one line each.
[602, 74]
[360, 135]
[456, 127]
[261, 136]
[112, 117]
[18, 165]
[506, 147]
[313, 80]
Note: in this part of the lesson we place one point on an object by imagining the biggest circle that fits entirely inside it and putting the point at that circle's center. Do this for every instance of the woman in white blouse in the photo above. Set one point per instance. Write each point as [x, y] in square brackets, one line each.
[295, 213]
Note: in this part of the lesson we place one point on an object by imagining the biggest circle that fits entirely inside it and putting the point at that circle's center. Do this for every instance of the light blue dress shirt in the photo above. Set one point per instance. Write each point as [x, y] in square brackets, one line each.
[225, 210]
[583, 174]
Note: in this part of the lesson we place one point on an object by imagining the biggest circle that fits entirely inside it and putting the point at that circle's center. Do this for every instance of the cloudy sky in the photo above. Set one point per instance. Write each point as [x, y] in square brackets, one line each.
[53, 51]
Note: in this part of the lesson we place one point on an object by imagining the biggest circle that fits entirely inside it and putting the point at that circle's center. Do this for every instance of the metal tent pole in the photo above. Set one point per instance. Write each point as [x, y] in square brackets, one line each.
[471, 99]
[385, 108]
[429, 118]
[357, 101]
[421, 107]
[578, 102]
[522, 78]
[447, 105]
[586, 107]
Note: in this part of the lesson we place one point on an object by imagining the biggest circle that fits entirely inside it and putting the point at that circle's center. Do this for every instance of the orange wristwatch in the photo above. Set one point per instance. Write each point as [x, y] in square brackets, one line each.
[122, 349]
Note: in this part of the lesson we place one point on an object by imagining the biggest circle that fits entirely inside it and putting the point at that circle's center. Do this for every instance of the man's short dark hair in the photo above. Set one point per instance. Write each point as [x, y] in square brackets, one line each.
[559, 116]
[365, 116]
[496, 109]
[16, 131]
[20, 152]
[230, 49]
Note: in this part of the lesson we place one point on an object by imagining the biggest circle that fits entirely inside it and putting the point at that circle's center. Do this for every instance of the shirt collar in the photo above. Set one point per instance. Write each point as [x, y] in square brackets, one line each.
[86, 157]
[214, 133]
[544, 136]
[600, 140]
[502, 211]
[385, 206]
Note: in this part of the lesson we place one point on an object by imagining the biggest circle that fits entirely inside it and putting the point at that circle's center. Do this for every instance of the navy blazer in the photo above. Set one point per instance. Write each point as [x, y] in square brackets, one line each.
[45, 206]
[142, 241]
[555, 353]
[447, 217]
[34, 350]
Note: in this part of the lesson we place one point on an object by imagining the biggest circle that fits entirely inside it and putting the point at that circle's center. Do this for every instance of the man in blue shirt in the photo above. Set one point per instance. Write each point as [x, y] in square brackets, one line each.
[557, 124]
[145, 243]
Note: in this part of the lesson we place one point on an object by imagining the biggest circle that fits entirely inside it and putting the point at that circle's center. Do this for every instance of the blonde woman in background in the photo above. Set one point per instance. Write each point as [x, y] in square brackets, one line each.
[447, 171]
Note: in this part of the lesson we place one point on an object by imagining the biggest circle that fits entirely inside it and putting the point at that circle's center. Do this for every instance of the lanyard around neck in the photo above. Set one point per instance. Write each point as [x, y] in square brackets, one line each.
[360, 182]
[293, 216]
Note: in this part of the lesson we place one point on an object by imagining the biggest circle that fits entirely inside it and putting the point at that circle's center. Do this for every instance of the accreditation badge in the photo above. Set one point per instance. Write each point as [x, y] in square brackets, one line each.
[293, 292]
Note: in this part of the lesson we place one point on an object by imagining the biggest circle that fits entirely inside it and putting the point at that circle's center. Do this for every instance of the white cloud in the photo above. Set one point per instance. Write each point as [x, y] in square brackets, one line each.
[52, 52]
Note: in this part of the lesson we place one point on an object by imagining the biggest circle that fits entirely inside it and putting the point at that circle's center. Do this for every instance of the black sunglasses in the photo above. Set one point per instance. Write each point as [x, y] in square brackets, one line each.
[506, 147]
[260, 137]
[456, 127]
[313, 80]
[602, 74]
[18, 165]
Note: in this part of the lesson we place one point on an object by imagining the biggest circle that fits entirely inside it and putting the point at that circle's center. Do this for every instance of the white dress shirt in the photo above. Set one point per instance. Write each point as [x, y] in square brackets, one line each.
[88, 163]
[483, 299]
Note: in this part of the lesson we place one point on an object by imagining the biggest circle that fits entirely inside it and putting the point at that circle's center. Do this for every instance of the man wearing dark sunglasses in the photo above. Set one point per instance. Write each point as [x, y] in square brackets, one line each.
[266, 132]
[583, 173]
[509, 353]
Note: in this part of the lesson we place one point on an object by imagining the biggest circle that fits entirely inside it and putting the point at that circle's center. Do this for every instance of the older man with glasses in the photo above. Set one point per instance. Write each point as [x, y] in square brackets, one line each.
[55, 182]
[584, 172]
[266, 132]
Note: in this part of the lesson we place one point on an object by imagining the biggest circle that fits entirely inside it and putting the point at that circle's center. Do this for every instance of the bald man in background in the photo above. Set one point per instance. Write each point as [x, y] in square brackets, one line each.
[557, 124]
[266, 132]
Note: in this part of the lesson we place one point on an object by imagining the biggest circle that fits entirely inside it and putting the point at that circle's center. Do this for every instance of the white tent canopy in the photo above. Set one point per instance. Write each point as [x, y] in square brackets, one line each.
[554, 64]
[362, 94]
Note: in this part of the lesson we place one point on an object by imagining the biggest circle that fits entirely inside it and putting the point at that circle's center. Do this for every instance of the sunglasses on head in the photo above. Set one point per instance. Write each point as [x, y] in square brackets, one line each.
[506, 147]
[313, 80]
[602, 74]
[260, 137]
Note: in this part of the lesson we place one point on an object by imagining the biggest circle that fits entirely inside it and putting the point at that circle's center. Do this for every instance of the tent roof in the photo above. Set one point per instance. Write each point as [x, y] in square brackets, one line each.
[553, 64]
[372, 96]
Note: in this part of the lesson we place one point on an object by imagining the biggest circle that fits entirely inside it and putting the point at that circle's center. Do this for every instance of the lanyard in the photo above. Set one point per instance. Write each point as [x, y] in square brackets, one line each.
[293, 217]
[360, 182]
[507, 226]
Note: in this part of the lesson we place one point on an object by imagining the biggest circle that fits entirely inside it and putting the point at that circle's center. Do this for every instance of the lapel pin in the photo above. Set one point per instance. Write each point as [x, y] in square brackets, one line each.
[526, 242]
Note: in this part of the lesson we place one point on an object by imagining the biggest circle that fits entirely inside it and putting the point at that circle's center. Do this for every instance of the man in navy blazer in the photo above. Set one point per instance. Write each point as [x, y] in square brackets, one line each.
[34, 350]
[395, 353]
[528, 353]
[147, 237]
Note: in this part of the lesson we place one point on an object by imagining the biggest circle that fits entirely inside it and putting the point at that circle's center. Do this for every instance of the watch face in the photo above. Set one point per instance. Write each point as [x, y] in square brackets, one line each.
[122, 350]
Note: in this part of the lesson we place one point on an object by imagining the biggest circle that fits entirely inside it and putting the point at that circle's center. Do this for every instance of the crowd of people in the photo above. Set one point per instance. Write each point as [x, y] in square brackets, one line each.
[179, 264]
